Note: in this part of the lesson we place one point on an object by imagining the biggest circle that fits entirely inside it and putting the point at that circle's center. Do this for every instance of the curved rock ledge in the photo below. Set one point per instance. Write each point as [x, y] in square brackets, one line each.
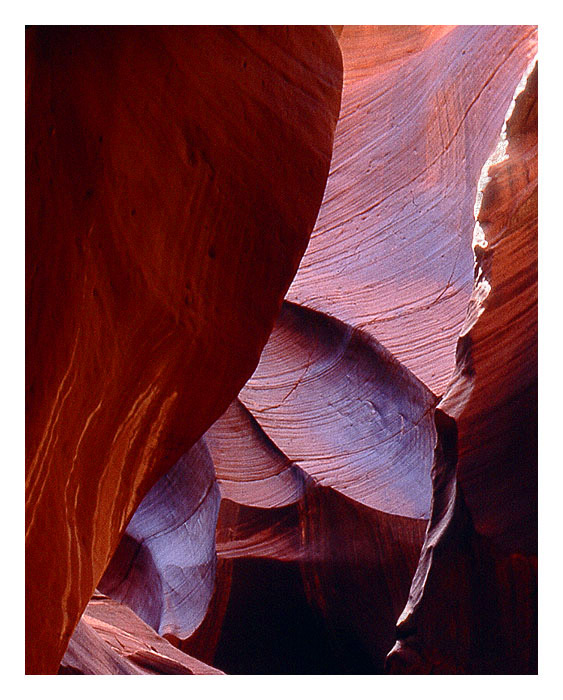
[345, 411]
[111, 640]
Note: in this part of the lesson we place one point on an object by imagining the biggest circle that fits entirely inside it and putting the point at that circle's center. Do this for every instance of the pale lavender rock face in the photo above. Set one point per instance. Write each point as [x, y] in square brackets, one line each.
[164, 568]
[341, 407]
[391, 250]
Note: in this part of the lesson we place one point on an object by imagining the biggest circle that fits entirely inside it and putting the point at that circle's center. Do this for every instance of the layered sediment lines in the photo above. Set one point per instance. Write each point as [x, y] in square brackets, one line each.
[373, 483]
[345, 411]
[391, 254]
[111, 640]
[473, 603]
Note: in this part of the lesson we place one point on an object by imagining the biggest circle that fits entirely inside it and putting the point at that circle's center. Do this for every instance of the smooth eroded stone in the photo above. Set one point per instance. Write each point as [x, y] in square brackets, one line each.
[345, 411]
[162, 231]
[315, 587]
[473, 602]
[164, 567]
[422, 108]
[493, 394]
[111, 639]
[250, 468]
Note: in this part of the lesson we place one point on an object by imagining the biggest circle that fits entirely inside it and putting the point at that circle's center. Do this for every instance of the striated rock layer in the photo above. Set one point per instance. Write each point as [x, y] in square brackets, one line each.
[311, 587]
[334, 455]
[391, 254]
[438, 96]
[162, 231]
[473, 601]
[345, 411]
[310, 399]
[110, 639]
[365, 456]
[310, 559]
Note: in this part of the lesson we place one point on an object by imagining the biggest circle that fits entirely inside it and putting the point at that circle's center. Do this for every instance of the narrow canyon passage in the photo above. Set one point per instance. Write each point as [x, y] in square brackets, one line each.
[281, 332]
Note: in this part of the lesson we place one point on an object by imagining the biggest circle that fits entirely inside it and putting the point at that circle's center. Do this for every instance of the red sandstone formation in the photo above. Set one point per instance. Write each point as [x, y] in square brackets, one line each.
[386, 440]
[110, 639]
[163, 231]
[480, 552]
[391, 251]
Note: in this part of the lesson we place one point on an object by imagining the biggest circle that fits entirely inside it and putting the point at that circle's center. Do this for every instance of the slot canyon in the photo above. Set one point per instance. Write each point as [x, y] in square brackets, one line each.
[281, 350]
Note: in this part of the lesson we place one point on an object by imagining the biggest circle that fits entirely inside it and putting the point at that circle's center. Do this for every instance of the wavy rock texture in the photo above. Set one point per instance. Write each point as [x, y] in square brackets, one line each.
[250, 468]
[162, 235]
[343, 409]
[331, 555]
[366, 456]
[473, 601]
[303, 374]
[392, 256]
[391, 251]
[289, 566]
[164, 568]
[111, 639]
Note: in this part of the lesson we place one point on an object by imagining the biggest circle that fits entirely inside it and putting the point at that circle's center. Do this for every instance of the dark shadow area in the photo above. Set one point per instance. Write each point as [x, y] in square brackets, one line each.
[274, 630]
